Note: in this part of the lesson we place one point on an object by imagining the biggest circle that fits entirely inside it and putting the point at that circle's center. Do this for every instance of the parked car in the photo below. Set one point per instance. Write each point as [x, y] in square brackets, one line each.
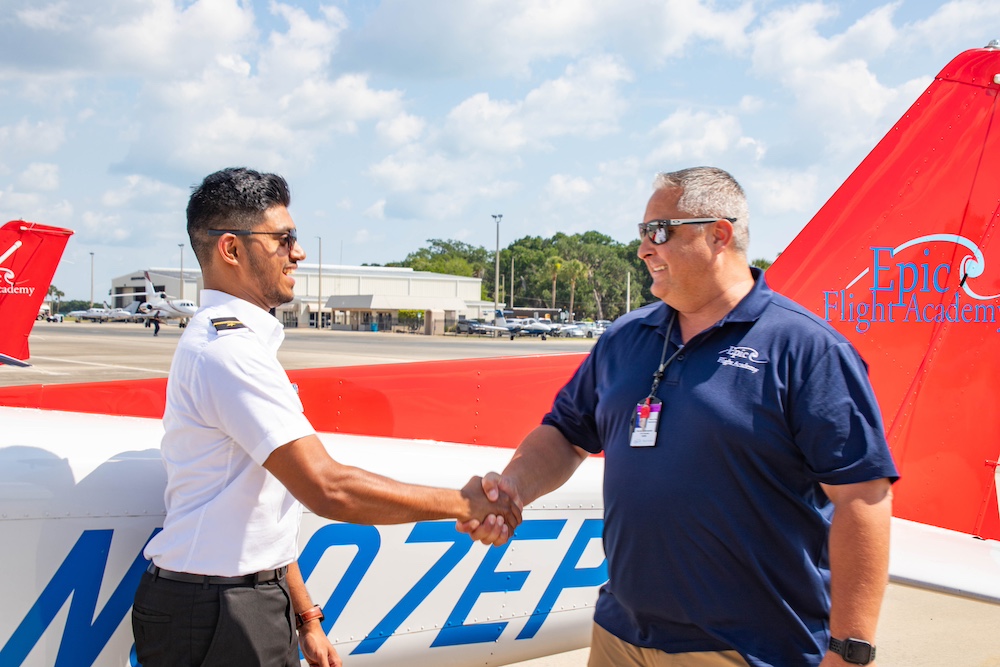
[569, 331]
[591, 329]
[468, 327]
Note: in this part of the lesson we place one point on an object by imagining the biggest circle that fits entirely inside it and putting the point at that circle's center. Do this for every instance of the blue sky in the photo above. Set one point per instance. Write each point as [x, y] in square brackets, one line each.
[400, 121]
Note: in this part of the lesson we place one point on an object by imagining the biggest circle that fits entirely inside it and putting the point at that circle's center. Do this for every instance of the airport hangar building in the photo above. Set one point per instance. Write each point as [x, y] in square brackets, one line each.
[353, 298]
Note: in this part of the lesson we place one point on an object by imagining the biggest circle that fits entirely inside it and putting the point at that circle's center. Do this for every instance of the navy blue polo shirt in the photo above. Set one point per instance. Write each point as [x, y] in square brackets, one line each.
[717, 537]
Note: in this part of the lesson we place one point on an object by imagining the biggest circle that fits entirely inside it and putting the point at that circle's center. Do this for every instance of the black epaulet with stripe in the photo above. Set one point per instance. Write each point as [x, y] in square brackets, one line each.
[227, 324]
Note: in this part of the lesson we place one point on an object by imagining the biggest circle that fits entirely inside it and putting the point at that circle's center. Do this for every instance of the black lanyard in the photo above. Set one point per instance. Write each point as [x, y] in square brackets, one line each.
[664, 362]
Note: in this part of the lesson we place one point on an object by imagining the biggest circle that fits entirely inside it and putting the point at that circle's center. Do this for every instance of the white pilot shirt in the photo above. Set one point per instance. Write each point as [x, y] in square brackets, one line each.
[229, 405]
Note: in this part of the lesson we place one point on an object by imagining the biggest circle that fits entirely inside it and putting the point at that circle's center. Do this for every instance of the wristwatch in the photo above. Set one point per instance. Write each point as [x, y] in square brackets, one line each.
[314, 612]
[854, 651]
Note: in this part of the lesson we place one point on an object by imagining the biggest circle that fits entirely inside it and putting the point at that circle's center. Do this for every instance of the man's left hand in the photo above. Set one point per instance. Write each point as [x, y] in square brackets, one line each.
[316, 646]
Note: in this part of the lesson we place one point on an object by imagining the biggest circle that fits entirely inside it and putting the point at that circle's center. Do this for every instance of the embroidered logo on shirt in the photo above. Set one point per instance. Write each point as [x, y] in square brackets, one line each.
[741, 357]
[227, 324]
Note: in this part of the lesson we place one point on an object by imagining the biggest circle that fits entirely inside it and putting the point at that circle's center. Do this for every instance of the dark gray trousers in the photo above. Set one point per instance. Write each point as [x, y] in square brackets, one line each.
[177, 624]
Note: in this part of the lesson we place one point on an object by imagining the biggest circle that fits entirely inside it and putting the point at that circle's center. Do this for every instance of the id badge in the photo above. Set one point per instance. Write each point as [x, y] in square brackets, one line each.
[647, 416]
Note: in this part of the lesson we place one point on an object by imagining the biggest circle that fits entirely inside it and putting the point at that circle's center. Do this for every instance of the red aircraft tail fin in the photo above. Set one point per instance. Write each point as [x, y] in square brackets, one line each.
[29, 254]
[903, 261]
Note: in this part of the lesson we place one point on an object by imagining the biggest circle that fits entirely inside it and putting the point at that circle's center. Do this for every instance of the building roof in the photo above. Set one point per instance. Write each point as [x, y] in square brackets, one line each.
[394, 302]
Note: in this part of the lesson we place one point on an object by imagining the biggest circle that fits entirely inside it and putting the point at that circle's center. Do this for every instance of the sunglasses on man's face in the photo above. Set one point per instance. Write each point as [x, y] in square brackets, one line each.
[287, 238]
[658, 231]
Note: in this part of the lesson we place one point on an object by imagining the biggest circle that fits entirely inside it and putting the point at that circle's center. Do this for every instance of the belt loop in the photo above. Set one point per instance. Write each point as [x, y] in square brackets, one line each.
[156, 572]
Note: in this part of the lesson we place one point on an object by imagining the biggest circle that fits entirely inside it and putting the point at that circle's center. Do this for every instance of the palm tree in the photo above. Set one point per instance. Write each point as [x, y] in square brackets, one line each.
[553, 265]
[58, 294]
[573, 271]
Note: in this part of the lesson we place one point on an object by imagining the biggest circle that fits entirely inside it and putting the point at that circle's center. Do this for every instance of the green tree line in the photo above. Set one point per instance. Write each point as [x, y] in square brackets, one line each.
[585, 274]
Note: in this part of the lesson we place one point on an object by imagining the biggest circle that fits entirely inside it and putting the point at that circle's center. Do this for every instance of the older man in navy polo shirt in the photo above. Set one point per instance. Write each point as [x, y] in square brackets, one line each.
[747, 477]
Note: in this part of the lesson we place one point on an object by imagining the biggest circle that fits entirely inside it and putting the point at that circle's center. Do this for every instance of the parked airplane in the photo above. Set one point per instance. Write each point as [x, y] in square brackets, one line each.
[157, 304]
[95, 314]
[29, 253]
[120, 315]
[527, 326]
[898, 260]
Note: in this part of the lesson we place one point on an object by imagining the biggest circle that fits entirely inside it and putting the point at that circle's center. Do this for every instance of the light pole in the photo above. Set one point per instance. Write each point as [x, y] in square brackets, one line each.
[512, 279]
[181, 246]
[319, 290]
[91, 280]
[496, 279]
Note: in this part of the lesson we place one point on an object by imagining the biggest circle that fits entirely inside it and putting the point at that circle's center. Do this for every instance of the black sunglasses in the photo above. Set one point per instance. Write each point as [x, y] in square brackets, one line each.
[658, 231]
[287, 238]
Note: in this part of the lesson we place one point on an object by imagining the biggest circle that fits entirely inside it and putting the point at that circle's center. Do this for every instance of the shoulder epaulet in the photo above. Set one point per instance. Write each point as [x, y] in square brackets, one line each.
[227, 324]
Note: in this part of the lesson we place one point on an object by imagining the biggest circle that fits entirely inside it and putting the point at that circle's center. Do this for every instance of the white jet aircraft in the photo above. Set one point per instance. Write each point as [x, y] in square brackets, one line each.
[95, 314]
[158, 304]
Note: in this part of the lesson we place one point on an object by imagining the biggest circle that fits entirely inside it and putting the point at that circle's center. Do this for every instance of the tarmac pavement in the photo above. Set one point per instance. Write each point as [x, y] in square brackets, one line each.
[63, 352]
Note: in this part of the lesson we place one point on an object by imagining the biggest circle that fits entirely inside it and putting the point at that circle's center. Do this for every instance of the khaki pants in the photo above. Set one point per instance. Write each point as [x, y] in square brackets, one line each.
[606, 650]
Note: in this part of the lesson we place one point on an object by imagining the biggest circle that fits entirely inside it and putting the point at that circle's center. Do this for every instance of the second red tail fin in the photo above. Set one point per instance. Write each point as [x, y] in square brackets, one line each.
[904, 261]
[29, 254]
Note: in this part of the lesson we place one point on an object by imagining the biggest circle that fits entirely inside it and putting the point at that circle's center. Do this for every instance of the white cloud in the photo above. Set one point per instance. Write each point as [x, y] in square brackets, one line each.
[376, 211]
[697, 136]
[160, 38]
[110, 228]
[482, 138]
[144, 191]
[953, 25]
[468, 163]
[836, 92]
[681, 22]
[782, 191]
[40, 176]
[16, 205]
[50, 17]
[337, 104]
[31, 138]
[562, 187]
[307, 44]
[401, 129]
[436, 185]
[750, 104]
[275, 116]
[585, 101]
[484, 124]
[509, 37]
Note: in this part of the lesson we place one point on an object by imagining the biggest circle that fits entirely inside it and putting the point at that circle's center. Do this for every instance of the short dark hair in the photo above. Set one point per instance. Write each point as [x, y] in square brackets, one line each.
[233, 198]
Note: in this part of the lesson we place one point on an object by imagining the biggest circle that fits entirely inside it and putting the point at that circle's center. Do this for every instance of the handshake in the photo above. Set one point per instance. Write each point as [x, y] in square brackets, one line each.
[494, 509]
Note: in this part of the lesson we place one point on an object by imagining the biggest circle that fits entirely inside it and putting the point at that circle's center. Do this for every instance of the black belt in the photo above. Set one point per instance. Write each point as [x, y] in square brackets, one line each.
[262, 577]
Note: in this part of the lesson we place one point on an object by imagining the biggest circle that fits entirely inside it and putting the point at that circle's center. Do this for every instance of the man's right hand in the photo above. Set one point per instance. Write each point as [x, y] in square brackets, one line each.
[494, 529]
[494, 512]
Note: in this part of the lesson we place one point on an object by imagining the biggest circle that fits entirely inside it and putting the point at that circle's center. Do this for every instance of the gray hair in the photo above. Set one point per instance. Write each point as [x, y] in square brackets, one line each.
[708, 192]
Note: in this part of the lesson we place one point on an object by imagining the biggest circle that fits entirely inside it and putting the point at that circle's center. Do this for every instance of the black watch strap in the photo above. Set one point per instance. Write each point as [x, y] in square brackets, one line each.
[854, 651]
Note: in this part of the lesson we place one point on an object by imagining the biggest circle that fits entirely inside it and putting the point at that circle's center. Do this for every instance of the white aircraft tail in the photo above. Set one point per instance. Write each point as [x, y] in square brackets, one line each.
[153, 298]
